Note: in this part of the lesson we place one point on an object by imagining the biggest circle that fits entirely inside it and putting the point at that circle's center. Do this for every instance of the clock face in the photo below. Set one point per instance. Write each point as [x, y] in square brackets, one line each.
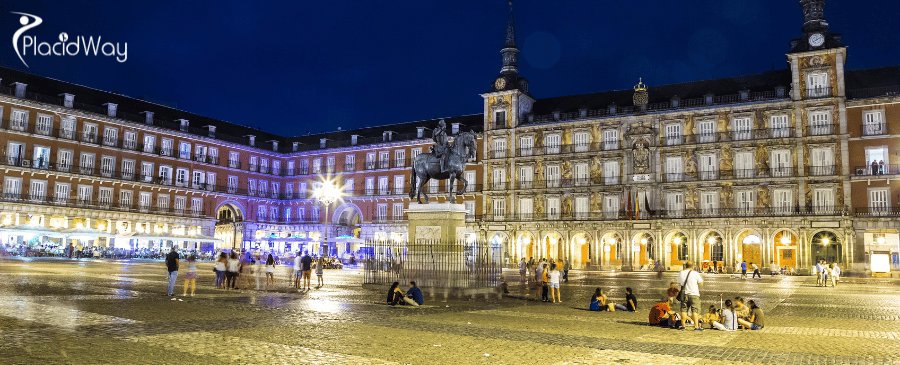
[816, 40]
[500, 83]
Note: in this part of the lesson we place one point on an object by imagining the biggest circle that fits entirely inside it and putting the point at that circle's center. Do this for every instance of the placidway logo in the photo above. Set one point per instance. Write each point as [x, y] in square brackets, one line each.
[89, 45]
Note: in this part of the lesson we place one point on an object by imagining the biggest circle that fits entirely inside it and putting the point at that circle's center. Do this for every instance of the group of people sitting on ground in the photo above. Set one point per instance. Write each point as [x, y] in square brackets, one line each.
[599, 302]
[412, 297]
[734, 315]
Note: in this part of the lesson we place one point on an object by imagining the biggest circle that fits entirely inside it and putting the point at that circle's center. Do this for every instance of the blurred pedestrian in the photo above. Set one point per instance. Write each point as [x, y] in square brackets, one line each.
[755, 271]
[553, 282]
[190, 278]
[172, 266]
[220, 269]
[319, 271]
[257, 270]
[566, 267]
[270, 271]
[232, 274]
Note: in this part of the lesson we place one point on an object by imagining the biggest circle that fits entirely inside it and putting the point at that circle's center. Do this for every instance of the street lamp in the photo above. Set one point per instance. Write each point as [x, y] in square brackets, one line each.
[326, 194]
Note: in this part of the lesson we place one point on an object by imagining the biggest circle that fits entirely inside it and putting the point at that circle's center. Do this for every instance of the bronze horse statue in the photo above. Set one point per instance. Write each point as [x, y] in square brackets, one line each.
[427, 166]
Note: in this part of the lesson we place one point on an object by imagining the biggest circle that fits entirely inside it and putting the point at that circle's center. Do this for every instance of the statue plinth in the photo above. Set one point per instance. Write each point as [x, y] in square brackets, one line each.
[435, 222]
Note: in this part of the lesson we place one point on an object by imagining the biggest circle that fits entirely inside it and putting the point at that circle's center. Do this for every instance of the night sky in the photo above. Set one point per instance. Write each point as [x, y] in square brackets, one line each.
[318, 65]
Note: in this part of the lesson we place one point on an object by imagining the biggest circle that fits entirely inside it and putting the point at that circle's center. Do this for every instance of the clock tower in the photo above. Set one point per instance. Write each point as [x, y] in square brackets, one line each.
[507, 101]
[817, 58]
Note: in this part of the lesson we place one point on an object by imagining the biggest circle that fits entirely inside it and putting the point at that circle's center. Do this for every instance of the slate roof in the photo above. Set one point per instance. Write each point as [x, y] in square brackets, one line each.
[766, 81]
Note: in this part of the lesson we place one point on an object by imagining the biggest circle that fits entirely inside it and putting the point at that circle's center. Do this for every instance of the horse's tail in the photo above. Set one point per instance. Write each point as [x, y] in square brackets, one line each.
[412, 180]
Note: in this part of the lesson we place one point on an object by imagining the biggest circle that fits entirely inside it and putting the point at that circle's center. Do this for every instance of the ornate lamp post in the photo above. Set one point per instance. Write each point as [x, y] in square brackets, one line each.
[326, 194]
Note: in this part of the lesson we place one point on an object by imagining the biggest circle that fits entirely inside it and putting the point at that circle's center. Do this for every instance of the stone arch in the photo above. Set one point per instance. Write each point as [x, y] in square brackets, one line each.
[678, 245]
[825, 244]
[609, 246]
[749, 251]
[525, 245]
[235, 206]
[552, 249]
[580, 248]
[645, 241]
[501, 240]
[786, 248]
[712, 242]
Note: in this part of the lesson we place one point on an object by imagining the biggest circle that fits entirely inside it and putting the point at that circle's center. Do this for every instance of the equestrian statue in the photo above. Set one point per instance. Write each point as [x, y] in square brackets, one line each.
[445, 161]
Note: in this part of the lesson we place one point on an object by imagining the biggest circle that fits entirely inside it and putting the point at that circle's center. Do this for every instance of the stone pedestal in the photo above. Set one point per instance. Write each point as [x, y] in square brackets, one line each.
[436, 222]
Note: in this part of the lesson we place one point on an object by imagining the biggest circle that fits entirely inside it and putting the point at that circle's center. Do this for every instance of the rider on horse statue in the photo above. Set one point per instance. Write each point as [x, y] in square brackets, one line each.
[441, 146]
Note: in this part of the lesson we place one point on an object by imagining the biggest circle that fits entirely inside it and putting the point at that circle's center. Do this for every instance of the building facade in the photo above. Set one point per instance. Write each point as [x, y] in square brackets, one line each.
[781, 168]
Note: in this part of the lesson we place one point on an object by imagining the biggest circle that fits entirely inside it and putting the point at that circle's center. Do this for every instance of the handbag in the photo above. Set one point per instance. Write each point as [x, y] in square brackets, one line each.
[680, 296]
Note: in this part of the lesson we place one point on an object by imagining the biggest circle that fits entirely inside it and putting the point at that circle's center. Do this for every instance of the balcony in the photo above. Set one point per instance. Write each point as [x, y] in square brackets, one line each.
[86, 203]
[498, 153]
[873, 129]
[349, 167]
[676, 214]
[822, 129]
[370, 165]
[822, 170]
[818, 92]
[879, 211]
[876, 170]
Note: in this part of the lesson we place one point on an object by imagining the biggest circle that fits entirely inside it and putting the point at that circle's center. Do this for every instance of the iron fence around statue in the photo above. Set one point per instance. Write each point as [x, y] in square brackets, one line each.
[434, 264]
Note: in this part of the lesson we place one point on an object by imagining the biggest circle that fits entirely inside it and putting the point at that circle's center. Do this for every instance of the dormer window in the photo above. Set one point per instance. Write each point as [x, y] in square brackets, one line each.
[353, 139]
[708, 99]
[322, 142]
[454, 128]
[675, 101]
[387, 136]
[296, 146]
[612, 109]
[779, 91]
[111, 109]
[184, 124]
[212, 131]
[251, 140]
[20, 89]
[745, 95]
[274, 146]
[68, 100]
[148, 118]
[420, 132]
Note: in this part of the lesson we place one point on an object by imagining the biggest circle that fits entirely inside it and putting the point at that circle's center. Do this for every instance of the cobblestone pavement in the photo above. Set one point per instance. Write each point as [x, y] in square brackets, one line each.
[106, 311]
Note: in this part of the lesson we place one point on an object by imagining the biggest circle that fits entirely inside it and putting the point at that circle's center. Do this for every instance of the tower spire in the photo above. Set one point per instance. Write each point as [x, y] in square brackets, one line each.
[813, 16]
[510, 51]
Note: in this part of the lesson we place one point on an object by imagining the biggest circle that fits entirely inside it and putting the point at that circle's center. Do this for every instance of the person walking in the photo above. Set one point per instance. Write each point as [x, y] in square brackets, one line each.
[835, 273]
[566, 267]
[270, 271]
[545, 282]
[190, 278]
[172, 266]
[743, 270]
[690, 285]
[320, 265]
[755, 271]
[258, 270]
[554, 278]
[819, 270]
[522, 276]
[220, 269]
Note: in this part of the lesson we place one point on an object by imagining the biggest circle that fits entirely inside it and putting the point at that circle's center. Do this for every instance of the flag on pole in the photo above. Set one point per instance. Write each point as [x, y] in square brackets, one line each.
[637, 207]
[647, 206]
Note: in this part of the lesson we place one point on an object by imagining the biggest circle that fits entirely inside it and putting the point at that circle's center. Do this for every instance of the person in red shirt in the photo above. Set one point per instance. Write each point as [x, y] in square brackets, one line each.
[661, 314]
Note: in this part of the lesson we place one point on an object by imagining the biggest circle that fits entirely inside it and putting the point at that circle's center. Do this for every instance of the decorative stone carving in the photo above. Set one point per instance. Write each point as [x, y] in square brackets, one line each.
[763, 199]
[727, 157]
[428, 233]
[762, 160]
[641, 160]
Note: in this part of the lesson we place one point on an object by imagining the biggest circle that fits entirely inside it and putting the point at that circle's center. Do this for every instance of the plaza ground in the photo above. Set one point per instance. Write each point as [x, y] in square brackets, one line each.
[108, 311]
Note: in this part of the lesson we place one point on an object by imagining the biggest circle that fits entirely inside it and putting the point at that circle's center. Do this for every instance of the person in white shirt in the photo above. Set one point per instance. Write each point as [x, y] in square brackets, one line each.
[835, 273]
[690, 284]
[728, 319]
[554, 284]
[820, 281]
[297, 272]
[773, 268]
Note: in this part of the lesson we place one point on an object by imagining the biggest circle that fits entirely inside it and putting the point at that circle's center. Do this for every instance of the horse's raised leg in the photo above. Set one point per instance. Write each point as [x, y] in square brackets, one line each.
[465, 184]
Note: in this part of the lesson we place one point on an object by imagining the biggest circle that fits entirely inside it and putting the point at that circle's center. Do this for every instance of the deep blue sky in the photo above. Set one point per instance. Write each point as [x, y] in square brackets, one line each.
[319, 65]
